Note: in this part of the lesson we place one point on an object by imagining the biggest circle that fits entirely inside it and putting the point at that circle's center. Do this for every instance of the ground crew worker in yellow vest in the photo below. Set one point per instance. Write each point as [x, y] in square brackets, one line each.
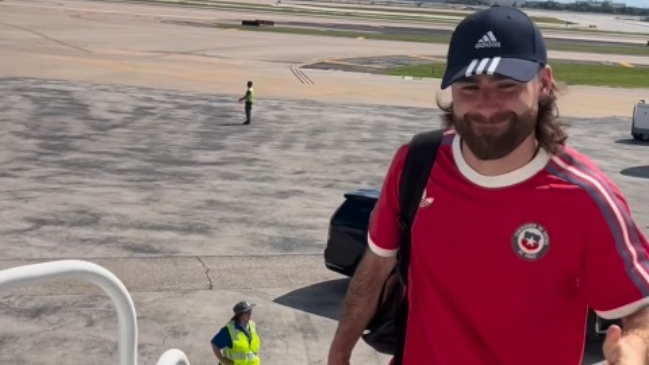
[250, 99]
[237, 343]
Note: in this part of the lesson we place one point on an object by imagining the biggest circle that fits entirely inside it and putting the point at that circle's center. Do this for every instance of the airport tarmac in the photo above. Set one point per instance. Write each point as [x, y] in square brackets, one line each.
[122, 146]
[194, 211]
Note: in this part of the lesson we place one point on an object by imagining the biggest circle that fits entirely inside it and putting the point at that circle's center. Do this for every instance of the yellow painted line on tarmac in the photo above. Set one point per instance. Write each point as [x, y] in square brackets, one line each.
[425, 57]
[360, 38]
[626, 64]
[343, 63]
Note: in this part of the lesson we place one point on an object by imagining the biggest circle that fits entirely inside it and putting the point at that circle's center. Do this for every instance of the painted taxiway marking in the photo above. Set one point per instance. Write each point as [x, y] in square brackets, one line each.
[426, 57]
[336, 62]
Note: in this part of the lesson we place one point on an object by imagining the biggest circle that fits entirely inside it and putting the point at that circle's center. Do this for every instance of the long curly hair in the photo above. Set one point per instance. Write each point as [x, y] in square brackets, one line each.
[550, 130]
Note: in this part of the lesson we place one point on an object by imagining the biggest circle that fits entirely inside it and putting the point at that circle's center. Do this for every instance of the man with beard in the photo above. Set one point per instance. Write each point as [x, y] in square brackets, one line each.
[520, 233]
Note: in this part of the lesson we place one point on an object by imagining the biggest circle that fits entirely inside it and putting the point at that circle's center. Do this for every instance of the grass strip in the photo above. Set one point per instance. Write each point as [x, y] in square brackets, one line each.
[632, 50]
[549, 20]
[444, 13]
[565, 72]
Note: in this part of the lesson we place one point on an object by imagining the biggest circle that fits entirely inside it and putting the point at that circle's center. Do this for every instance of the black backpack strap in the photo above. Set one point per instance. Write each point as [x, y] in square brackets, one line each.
[414, 177]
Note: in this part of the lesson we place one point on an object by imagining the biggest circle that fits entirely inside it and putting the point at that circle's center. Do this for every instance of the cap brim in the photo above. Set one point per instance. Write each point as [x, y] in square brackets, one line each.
[244, 310]
[511, 68]
[248, 308]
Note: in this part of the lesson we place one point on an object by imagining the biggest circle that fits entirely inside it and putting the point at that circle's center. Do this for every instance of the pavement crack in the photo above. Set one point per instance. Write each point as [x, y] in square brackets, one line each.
[207, 273]
[53, 329]
[47, 37]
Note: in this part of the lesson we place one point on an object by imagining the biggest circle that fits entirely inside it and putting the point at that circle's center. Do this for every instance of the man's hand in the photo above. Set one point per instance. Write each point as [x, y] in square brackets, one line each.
[222, 359]
[624, 350]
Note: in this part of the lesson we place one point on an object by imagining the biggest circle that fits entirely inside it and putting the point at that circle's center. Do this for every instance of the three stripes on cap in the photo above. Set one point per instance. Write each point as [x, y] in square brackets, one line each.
[482, 66]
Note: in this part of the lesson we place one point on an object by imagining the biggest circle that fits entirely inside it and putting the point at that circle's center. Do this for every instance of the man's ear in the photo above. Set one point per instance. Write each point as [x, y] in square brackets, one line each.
[546, 80]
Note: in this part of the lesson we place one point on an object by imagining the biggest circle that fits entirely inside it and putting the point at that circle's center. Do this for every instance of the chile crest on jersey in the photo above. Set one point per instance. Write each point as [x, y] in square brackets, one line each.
[531, 241]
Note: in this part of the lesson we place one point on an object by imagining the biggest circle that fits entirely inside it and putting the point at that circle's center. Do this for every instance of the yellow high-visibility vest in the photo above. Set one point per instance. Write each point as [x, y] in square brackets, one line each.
[244, 351]
[251, 97]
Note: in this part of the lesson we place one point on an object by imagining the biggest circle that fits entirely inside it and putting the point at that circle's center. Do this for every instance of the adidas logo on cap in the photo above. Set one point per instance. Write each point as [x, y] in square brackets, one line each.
[487, 41]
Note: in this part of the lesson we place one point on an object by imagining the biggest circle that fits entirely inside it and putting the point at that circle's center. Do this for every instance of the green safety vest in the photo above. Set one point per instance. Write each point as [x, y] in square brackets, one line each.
[251, 97]
[243, 351]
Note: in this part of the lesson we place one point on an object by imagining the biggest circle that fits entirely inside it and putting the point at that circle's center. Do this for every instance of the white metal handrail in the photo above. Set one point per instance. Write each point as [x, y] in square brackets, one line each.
[106, 280]
[173, 357]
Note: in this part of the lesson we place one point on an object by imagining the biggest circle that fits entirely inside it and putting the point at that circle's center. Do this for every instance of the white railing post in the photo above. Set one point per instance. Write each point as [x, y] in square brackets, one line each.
[173, 357]
[77, 269]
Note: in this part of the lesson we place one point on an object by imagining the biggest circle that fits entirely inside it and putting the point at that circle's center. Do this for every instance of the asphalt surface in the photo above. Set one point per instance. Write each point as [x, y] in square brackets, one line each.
[374, 65]
[194, 212]
[190, 209]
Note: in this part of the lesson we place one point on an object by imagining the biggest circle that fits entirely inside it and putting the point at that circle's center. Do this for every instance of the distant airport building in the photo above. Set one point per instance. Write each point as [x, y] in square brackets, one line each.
[516, 3]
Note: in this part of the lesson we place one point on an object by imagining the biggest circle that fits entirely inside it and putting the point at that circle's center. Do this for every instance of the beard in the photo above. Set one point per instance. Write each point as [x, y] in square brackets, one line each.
[488, 143]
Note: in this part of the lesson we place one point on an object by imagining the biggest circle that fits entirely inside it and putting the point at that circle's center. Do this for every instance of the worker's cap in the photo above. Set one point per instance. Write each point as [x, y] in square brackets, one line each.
[242, 307]
[500, 41]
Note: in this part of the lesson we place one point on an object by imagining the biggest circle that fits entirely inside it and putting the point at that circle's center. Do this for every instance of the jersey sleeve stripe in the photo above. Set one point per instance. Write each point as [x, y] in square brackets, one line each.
[378, 250]
[624, 310]
[620, 223]
[447, 137]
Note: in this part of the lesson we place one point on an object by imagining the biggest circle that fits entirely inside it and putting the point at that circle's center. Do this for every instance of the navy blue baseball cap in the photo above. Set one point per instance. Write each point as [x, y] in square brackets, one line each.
[500, 40]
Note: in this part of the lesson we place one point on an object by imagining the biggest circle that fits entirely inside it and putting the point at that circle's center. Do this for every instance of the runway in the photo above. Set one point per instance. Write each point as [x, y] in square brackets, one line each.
[603, 22]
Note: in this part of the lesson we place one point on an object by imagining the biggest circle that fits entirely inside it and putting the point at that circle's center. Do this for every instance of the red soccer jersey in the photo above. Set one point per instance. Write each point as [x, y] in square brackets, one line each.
[503, 268]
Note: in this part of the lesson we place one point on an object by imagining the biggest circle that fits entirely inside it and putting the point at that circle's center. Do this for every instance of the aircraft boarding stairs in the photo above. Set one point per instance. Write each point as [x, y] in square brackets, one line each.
[98, 275]
[77, 269]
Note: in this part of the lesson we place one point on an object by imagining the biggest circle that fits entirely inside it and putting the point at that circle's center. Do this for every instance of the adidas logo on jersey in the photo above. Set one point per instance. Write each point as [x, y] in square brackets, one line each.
[425, 202]
[487, 41]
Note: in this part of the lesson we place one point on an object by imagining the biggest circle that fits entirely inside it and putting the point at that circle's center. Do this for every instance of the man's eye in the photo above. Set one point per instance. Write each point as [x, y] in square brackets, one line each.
[507, 86]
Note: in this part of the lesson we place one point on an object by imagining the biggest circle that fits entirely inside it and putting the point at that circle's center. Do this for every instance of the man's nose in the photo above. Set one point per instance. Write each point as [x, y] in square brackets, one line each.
[488, 103]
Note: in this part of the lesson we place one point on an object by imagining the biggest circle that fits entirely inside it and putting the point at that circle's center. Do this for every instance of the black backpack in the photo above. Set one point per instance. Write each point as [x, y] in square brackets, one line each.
[385, 332]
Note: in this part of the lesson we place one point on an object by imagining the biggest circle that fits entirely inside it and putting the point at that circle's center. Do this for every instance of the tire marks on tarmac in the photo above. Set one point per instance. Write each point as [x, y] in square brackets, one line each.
[301, 76]
[312, 343]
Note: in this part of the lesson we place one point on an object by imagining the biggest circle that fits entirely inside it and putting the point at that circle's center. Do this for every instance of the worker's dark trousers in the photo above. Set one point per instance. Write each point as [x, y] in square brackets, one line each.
[248, 109]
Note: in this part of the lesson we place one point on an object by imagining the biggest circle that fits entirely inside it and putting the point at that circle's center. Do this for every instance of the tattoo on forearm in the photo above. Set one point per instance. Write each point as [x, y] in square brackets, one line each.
[359, 288]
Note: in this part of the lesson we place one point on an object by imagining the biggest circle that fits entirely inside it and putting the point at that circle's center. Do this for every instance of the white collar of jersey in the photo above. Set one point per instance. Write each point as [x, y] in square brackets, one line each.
[537, 164]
